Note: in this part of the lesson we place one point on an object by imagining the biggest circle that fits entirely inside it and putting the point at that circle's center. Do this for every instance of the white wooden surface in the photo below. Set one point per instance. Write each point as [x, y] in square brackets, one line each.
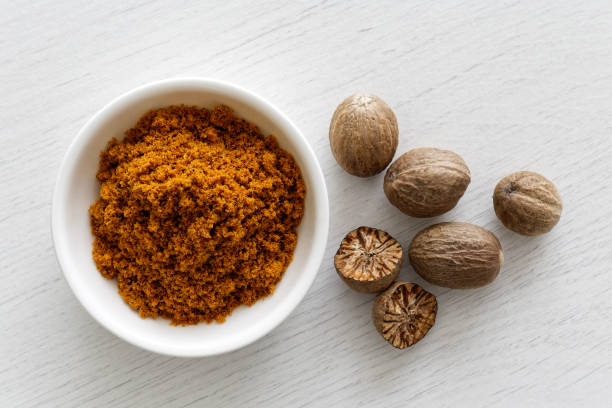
[509, 85]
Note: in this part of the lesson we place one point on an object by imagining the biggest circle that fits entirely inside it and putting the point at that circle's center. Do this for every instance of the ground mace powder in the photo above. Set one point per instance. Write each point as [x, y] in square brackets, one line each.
[197, 214]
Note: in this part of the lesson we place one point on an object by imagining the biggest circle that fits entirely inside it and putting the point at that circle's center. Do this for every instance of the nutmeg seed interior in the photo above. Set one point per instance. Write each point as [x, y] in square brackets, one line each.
[404, 313]
[368, 259]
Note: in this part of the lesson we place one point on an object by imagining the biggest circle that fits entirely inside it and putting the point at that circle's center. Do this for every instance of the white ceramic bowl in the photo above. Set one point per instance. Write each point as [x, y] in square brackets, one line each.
[77, 188]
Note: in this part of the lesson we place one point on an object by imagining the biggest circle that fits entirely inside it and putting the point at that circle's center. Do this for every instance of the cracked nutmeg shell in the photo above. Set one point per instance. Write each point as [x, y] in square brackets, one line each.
[456, 255]
[363, 135]
[404, 313]
[527, 203]
[426, 182]
[368, 259]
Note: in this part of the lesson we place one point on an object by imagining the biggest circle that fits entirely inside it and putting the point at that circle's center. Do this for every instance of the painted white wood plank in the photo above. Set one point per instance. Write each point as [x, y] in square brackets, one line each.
[509, 85]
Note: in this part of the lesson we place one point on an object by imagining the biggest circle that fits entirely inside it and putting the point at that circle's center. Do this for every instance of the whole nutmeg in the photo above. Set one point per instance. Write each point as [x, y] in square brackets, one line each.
[368, 259]
[527, 203]
[363, 135]
[426, 182]
[456, 255]
[404, 313]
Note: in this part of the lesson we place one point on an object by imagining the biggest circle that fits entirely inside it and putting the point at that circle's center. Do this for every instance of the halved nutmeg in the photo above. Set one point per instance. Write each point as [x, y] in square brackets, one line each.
[404, 313]
[368, 259]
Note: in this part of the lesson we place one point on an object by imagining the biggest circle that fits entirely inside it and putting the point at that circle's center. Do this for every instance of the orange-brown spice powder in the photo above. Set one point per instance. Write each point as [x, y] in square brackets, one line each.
[197, 214]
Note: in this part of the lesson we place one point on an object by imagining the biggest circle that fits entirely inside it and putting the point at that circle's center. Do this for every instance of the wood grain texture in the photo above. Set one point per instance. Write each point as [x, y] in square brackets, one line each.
[508, 85]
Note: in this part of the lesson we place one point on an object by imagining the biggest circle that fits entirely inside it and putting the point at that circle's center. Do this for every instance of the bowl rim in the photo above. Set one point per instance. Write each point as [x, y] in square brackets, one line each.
[321, 203]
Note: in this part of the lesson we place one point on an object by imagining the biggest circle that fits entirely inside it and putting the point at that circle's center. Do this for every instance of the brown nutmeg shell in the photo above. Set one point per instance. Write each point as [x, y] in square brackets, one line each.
[527, 203]
[456, 255]
[426, 182]
[363, 135]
